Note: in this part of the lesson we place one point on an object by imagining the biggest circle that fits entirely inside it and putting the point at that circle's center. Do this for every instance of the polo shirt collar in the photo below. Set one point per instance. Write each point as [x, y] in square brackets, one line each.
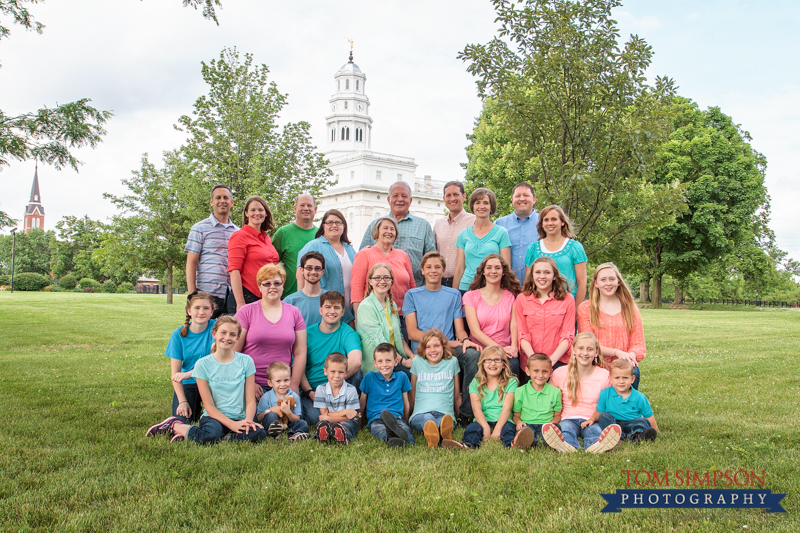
[249, 229]
[621, 399]
[380, 377]
[215, 222]
[329, 390]
[458, 217]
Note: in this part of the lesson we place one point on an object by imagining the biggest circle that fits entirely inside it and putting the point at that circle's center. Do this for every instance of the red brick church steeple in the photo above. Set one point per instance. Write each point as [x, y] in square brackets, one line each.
[34, 212]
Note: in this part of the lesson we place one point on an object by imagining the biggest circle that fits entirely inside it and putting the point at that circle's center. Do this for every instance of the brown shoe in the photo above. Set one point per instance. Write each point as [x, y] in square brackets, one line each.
[524, 439]
[431, 433]
[454, 445]
[446, 427]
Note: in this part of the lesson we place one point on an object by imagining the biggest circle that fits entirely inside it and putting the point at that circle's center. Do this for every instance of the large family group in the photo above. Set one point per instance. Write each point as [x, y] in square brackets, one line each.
[472, 321]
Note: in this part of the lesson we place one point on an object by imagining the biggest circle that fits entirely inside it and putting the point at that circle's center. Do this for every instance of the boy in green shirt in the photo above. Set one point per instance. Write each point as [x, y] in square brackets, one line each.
[536, 403]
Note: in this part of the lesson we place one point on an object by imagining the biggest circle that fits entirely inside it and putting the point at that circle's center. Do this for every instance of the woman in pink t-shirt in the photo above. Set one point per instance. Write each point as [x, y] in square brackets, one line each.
[611, 314]
[272, 330]
[489, 306]
[385, 233]
[581, 383]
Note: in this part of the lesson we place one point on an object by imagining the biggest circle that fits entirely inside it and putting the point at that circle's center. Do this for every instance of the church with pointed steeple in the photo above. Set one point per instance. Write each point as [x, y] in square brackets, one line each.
[362, 177]
[34, 211]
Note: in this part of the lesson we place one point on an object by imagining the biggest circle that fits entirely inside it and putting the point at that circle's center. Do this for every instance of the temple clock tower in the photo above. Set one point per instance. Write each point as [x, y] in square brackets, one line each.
[349, 124]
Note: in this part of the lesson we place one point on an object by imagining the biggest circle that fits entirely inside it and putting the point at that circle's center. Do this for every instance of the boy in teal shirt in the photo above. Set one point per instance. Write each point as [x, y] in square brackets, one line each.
[536, 403]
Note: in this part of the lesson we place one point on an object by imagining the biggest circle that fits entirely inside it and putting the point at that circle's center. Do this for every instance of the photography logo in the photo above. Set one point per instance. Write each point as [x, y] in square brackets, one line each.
[689, 489]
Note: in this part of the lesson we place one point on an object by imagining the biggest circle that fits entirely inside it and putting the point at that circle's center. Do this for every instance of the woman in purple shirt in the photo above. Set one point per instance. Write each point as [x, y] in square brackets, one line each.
[272, 330]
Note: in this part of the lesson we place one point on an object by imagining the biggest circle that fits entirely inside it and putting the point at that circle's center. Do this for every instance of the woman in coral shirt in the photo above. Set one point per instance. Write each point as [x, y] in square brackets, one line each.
[385, 233]
[545, 314]
[611, 314]
[249, 249]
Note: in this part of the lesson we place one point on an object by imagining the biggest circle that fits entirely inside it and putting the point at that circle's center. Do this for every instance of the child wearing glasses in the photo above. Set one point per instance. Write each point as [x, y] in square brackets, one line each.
[492, 397]
[312, 265]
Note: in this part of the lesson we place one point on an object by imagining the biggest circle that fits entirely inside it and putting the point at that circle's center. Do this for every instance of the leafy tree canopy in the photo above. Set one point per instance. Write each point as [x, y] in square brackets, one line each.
[569, 111]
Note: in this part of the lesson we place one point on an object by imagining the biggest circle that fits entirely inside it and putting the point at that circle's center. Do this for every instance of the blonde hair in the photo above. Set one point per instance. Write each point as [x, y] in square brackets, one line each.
[505, 375]
[269, 271]
[447, 352]
[196, 295]
[225, 319]
[372, 270]
[566, 229]
[278, 366]
[621, 364]
[573, 383]
[560, 285]
[623, 294]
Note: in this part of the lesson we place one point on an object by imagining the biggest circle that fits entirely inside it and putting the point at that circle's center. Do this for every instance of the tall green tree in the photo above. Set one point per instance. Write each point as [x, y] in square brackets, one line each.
[151, 230]
[31, 253]
[235, 139]
[78, 238]
[568, 109]
[723, 179]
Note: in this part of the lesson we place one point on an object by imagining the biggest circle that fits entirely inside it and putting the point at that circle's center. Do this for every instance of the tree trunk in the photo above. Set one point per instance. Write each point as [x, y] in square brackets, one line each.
[678, 296]
[169, 282]
[644, 290]
[657, 291]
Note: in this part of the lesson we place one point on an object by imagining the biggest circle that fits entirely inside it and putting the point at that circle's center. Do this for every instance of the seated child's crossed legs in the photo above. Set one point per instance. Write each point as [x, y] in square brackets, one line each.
[418, 421]
[629, 427]
[473, 434]
[571, 430]
[378, 429]
[298, 426]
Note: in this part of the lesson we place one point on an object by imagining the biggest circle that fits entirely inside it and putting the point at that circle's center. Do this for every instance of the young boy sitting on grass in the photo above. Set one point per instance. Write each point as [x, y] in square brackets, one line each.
[536, 403]
[337, 402]
[268, 412]
[623, 405]
[384, 398]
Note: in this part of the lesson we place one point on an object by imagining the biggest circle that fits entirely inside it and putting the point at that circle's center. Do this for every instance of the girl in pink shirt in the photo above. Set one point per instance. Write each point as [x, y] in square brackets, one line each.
[612, 315]
[545, 314]
[581, 383]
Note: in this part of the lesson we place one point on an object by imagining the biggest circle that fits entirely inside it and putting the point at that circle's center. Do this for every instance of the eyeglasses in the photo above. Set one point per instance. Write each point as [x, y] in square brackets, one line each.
[313, 269]
[493, 361]
[269, 284]
[378, 279]
[334, 223]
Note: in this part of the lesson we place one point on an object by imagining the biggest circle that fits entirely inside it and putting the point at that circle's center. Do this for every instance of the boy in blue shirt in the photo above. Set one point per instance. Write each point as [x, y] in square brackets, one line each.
[384, 398]
[337, 402]
[623, 405]
[268, 412]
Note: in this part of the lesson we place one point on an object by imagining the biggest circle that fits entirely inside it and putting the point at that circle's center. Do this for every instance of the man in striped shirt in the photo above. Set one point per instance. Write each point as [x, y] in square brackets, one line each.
[207, 252]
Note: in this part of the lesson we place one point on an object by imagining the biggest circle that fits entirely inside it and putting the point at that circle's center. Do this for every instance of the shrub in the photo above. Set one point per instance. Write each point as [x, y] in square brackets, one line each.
[126, 286]
[88, 283]
[109, 286]
[30, 281]
[68, 282]
[54, 288]
[5, 279]
[77, 289]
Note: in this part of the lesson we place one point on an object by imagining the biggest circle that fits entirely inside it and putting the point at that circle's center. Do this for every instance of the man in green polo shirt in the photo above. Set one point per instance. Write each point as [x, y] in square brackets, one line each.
[290, 239]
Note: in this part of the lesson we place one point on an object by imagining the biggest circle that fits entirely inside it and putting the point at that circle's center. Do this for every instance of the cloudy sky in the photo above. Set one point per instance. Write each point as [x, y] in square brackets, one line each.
[141, 59]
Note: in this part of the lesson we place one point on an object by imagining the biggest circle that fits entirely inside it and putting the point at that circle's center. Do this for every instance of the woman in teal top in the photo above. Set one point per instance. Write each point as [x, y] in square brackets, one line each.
[480, 240]
[378, 320]
[556, 240]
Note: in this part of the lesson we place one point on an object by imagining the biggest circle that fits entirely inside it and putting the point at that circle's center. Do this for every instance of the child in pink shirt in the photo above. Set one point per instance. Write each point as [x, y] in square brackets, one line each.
[581, 383]
[545, 314]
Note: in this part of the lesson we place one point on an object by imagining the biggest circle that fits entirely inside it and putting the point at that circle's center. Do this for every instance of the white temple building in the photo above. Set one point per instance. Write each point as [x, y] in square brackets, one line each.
[362, 176]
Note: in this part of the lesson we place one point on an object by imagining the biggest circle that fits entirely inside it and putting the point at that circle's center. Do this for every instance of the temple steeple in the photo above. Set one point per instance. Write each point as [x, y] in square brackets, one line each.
[349, 124]
[34, 211]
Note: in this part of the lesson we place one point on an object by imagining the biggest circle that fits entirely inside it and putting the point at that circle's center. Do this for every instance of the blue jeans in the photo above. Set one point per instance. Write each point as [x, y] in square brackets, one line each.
[468, 361]
[473, 435]
[637, 374]
[629, 427]
[298, 426]
[193, 397]
[211, 430]
[310, 413]
[378, 429]
[537, 433]
[351, 427]
[418, 421]
[571, 429]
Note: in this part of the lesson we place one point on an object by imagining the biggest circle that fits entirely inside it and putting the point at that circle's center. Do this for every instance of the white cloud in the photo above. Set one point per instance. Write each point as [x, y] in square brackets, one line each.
[637, 24]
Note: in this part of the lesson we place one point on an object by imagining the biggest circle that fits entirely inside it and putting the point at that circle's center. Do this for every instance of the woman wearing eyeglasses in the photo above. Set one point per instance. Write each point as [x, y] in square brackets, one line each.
[385, 233]
[272, 330]
[250, 248]
[378, 320]
[332, 242]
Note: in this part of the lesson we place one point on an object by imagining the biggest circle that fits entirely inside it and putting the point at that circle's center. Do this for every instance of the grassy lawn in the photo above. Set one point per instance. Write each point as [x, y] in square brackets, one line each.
[82, 376]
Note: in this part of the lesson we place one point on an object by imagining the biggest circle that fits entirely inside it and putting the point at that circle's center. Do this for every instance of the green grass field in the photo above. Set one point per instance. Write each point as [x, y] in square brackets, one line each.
[82, 376]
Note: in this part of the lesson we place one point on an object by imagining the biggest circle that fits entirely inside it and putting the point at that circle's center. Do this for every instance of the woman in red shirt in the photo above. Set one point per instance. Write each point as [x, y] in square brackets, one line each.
[545, 314]
[249, 249]
[611, 314]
